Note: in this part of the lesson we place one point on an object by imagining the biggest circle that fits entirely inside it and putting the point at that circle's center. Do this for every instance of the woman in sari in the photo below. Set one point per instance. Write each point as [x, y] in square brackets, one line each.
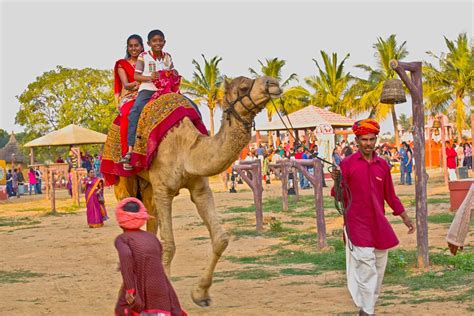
[125, 87]
[94, 189]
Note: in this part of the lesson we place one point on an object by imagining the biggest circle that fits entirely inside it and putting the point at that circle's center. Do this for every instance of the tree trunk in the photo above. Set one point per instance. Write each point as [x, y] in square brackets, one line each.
[395, 126]
[211, 117]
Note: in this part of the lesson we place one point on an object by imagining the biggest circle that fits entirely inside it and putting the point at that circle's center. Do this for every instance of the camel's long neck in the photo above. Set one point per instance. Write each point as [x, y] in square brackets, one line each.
[212, 155]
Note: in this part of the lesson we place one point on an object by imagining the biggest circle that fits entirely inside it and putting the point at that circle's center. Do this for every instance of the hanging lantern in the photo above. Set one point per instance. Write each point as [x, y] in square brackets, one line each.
[393, 92]
[436, 124]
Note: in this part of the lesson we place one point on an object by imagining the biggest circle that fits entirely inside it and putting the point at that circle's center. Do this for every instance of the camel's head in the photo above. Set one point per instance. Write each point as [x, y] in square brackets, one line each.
[245, 97]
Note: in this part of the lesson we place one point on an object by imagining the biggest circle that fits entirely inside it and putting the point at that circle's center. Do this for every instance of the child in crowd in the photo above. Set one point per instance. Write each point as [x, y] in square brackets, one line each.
[146, 71]
[146, 289]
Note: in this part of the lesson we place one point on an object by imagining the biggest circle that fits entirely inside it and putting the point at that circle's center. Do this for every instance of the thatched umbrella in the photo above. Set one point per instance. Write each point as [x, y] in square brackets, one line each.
[12, 152]
[69, 135]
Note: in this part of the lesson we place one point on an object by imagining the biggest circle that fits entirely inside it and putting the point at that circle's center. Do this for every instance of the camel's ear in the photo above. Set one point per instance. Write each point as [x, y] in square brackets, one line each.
[227, 82]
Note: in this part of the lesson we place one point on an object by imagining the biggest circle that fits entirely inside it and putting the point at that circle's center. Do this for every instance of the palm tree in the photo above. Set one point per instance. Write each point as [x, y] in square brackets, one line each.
[273, 68]
[331, 84]
[405, 121]
[447, 87]
[369, 90]
[207, 85]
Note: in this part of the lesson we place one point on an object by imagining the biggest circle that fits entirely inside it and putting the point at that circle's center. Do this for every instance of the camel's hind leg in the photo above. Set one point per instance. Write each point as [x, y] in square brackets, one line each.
[201, 195]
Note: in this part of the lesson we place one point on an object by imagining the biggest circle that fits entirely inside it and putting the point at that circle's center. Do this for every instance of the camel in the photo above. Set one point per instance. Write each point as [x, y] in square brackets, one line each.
[186, 158]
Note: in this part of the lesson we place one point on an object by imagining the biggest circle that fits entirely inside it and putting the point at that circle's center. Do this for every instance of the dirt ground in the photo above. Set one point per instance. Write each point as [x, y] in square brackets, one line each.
[69, 269]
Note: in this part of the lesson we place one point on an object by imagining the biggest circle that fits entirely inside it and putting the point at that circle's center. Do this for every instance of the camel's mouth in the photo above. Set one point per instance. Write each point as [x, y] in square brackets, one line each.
[274, 90]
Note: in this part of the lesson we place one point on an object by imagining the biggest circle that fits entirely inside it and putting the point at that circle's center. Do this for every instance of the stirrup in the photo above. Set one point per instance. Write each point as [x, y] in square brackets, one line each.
[126, 158]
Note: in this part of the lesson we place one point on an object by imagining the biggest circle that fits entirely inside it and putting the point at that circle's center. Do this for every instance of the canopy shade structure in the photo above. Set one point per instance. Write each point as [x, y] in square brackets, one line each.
[69, 135]
[309, 117]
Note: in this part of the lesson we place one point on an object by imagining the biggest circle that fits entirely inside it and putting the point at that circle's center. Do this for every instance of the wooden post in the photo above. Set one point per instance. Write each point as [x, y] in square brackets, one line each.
[319, 202]
[443, 149]
[415, 86]
[255, 183]
[296, 183]
[430, 158]
[317, 182]
[292, 138]
[53, 191]
[472, 127]
[257, 138]
[48, 184]
[32, 156]
[284, 183]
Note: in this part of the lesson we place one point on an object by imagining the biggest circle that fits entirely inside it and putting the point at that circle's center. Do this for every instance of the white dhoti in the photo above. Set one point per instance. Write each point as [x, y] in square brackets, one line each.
[452, 174]
[365, 268]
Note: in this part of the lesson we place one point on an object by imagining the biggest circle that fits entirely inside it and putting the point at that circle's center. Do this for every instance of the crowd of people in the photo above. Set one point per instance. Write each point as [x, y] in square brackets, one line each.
[16, 181]
[459, 155]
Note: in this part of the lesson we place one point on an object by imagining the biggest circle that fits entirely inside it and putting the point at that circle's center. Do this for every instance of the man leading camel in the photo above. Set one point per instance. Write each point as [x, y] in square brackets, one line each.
[368, 233]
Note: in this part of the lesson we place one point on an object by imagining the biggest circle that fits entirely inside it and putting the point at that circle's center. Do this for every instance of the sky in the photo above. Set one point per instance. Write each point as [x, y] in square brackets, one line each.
[36, 36]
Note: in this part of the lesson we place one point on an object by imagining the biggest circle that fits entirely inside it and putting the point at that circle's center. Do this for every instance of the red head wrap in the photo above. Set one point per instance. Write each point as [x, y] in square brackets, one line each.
[364, 127]
[131, 220]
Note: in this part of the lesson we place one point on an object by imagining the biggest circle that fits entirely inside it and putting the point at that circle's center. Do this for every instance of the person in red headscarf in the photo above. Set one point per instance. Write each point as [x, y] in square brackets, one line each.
[367, 232]
[146, 288]
[125, 86]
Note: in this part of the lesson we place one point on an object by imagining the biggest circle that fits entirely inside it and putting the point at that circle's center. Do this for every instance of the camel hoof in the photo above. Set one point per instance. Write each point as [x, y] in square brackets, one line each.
[202, 302]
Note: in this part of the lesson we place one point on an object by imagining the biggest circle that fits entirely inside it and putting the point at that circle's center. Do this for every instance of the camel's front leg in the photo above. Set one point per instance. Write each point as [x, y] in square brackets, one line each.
[126, 187]
[201, 195]
[146, 191]
[163, 200]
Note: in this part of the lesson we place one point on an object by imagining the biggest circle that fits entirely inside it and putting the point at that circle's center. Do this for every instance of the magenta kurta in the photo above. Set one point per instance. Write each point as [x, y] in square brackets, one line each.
[371, 185]
[143, 275]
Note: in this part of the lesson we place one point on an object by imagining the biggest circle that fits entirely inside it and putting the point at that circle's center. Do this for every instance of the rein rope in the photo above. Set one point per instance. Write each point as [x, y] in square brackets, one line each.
[340, 186]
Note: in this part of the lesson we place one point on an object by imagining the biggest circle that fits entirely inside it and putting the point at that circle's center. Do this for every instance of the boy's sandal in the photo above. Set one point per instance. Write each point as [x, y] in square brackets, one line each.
[127, 166]
[126, 158]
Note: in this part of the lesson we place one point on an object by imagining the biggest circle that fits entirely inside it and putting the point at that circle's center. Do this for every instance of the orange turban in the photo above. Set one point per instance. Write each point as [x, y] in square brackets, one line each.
[131, 219]
[364, 127]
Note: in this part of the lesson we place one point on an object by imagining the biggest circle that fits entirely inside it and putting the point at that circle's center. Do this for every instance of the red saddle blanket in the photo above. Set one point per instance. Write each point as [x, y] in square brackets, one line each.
[155, 121]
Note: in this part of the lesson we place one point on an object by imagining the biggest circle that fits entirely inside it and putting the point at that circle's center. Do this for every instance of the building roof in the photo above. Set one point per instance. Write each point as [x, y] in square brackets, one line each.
[69, 135]
[12, 151]
[309, 117]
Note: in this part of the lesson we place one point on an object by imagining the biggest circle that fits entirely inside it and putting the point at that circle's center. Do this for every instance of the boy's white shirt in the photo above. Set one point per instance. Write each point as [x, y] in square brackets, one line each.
[165, 64]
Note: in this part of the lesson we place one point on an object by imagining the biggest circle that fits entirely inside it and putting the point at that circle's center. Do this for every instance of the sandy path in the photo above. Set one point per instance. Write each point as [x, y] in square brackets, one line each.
[79, 267]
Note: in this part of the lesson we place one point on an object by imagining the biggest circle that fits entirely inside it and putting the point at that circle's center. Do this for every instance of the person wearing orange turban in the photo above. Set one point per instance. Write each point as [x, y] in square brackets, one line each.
[367, 126]
[367, 231]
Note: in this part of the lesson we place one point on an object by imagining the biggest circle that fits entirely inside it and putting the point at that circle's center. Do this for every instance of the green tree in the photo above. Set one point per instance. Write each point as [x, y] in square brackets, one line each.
[447, 87]
[368, 91]
[207, 85]
[66, 96]
[4, 137]
[405, 122]
[289, 101]
[331, 84]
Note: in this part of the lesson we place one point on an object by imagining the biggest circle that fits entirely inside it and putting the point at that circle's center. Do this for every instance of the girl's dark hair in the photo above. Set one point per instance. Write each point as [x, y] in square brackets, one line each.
[135, 37]
[132, 207]
[155, 33]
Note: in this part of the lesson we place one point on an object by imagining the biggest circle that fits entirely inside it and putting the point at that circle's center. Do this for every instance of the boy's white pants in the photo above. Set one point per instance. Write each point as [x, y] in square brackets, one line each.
[365, 268]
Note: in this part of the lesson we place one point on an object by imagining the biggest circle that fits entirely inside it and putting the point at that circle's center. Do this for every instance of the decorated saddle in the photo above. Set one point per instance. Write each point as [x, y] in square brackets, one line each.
[156, 119]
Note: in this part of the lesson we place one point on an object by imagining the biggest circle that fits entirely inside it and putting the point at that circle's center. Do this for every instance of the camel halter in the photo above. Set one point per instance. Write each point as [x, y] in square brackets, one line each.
[231, 109]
